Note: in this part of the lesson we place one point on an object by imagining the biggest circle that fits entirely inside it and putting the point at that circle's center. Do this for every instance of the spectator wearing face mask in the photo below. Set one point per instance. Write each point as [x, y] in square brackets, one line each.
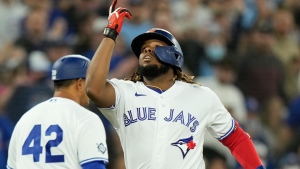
[214, 51]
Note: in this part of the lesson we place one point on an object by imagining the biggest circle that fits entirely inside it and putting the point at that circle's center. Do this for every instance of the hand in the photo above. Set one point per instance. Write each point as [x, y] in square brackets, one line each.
[115, 20]
[116, 16]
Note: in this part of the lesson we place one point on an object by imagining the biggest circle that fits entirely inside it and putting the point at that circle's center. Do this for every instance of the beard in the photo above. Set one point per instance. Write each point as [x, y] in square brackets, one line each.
[153, 71]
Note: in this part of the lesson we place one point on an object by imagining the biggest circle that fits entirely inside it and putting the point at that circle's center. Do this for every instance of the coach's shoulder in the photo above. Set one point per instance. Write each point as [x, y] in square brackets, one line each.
[83, 113]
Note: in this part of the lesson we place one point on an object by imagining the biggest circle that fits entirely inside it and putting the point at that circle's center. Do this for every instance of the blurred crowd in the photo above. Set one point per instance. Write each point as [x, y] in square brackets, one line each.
[246, 51]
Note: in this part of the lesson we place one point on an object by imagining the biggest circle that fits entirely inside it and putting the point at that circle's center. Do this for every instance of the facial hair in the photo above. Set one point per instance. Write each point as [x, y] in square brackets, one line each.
[153, 71]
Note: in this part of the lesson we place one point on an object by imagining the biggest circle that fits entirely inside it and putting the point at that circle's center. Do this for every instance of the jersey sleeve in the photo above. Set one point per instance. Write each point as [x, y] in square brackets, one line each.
[220, 123]
[111, 113]
[91, 144]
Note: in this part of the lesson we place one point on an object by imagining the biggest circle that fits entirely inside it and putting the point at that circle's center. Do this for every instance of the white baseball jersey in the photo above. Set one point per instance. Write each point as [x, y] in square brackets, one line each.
[57, 134]
[166, 131]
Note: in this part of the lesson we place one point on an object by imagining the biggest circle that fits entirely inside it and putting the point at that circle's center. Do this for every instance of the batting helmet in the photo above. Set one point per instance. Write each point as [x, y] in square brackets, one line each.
[167, 54]
[70, 67]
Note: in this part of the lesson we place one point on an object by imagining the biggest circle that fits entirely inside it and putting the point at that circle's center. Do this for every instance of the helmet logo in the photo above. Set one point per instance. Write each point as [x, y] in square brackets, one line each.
[152, 30]
[54, 72]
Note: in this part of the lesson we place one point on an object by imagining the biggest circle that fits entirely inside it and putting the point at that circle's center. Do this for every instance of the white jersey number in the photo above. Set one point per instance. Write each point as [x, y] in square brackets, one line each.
[35, 136]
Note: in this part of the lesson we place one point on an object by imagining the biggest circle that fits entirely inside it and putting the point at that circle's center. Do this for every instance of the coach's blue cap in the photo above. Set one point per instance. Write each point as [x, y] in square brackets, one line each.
[70, 67]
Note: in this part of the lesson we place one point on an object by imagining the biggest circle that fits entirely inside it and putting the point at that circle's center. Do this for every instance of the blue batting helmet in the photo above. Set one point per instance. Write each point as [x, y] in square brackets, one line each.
[70, 67]
[167, 54]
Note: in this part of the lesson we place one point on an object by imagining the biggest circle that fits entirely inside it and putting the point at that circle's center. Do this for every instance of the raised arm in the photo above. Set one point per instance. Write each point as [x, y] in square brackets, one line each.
[98, 89]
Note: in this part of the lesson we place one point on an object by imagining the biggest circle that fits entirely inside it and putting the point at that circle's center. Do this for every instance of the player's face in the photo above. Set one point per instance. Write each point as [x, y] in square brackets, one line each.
[147, 56]
[149, 65]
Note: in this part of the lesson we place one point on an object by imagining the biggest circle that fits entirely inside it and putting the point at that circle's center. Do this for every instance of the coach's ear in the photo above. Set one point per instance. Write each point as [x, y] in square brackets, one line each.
[80, 84]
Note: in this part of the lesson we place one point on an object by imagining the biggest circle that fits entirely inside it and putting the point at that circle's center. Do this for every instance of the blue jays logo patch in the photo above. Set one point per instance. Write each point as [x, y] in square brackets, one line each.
[185, 145]
[101, 147]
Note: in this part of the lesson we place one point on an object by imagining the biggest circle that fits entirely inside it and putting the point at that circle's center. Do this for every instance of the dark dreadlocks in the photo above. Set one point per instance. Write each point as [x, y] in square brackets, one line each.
[136, 76]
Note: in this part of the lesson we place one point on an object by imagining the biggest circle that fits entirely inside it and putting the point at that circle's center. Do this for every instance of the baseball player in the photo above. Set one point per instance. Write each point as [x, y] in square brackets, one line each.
[60, 132]
[160, 114]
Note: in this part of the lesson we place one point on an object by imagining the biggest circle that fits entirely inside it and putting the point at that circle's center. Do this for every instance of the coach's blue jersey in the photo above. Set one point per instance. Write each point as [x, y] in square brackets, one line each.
[57, 134]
